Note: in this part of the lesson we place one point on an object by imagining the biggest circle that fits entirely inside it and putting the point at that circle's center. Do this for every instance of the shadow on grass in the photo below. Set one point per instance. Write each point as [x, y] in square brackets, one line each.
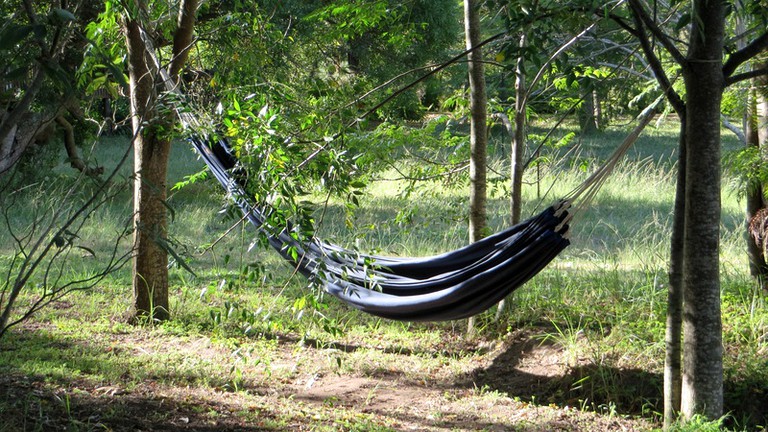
[603, 388]
[521, 371]
[47, 383]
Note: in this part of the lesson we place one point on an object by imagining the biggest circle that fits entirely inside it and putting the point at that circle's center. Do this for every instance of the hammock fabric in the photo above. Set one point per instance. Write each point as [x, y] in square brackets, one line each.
[450, 286]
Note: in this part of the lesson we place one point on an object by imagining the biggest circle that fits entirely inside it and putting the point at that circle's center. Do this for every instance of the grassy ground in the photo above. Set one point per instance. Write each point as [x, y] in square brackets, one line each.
[580, 347]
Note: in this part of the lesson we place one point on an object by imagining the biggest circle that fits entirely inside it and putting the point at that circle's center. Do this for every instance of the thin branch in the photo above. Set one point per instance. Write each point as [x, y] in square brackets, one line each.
[733, 128]
[444, 65]
[745, 54]
[618, 20]
[626, 69]
[656, 67]
[546, 64]
[639, 13]
[745, 76]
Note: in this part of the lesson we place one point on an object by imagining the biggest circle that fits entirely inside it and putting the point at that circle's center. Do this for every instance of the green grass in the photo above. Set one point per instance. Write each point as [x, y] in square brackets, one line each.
[247, 327]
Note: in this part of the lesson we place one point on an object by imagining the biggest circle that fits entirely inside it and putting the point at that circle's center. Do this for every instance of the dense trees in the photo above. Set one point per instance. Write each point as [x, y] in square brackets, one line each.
[45, 53]
[40, 61]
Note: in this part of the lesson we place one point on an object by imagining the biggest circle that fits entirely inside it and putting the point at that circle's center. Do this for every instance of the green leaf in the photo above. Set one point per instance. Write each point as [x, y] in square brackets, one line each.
[13, 35]
[118, 75]
[62, 15]
[16, 74]
[56, 73]
[170, 208]
[684, 20]
[89, 250]
[40, 30]
[166, 246]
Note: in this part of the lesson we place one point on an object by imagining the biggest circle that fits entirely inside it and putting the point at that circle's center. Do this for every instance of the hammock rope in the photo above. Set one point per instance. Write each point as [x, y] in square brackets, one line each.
[449, 286]
[582, 195]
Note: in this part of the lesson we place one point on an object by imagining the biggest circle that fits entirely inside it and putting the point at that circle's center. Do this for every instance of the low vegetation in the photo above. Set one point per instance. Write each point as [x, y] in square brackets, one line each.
[249, 347]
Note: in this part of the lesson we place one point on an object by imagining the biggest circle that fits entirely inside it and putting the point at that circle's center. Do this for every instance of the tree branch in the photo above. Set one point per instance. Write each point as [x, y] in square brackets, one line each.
[183, 36]
[641, 15]
[617, 19]
[656, 67]
[745, 76]
[733, 128]
[741, 56]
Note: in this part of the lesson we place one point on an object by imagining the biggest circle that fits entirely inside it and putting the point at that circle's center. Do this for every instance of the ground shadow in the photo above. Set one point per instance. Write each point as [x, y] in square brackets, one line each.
[71, 400]
[535, 371]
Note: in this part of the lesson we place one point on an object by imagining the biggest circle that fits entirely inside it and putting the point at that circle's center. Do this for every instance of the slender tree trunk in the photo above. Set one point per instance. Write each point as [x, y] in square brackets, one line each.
[152, 145]
[478, 124]
[598, 110]
[702, 385]
[478, 128]
[762, 109]
[518, 148]
[518, 144]
[587, 119]
[758, 267]
[674, 330]
[151, 154]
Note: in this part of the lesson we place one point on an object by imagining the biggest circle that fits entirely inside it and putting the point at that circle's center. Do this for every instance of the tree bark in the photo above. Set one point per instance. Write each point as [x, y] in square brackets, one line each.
[756, 102]
[587, 119]
[478, 124]
[674, 326]
[151, 154]
[762, 109]
[518, 148]
[518, 144]
[702, 384]
[13, 140]
[478, 128]
[152, 145]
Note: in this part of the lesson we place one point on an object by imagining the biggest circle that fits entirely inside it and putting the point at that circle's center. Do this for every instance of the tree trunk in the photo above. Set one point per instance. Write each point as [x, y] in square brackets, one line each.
[758, 267]
[518, 144]
[478, 128]
[14, 140]
[587, 119]
[762, 109]
[673, 339]
[518, 148]
[152, 145]
[151, 154]
[478, 121]
[597, 106]
[702, 385]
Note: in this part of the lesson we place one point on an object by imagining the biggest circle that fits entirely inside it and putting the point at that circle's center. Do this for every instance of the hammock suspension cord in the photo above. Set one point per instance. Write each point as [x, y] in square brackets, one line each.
[581, 196]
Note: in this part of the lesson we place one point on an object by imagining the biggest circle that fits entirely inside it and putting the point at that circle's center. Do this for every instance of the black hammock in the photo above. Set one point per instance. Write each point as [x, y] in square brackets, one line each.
[454, 285]
[450, 286]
